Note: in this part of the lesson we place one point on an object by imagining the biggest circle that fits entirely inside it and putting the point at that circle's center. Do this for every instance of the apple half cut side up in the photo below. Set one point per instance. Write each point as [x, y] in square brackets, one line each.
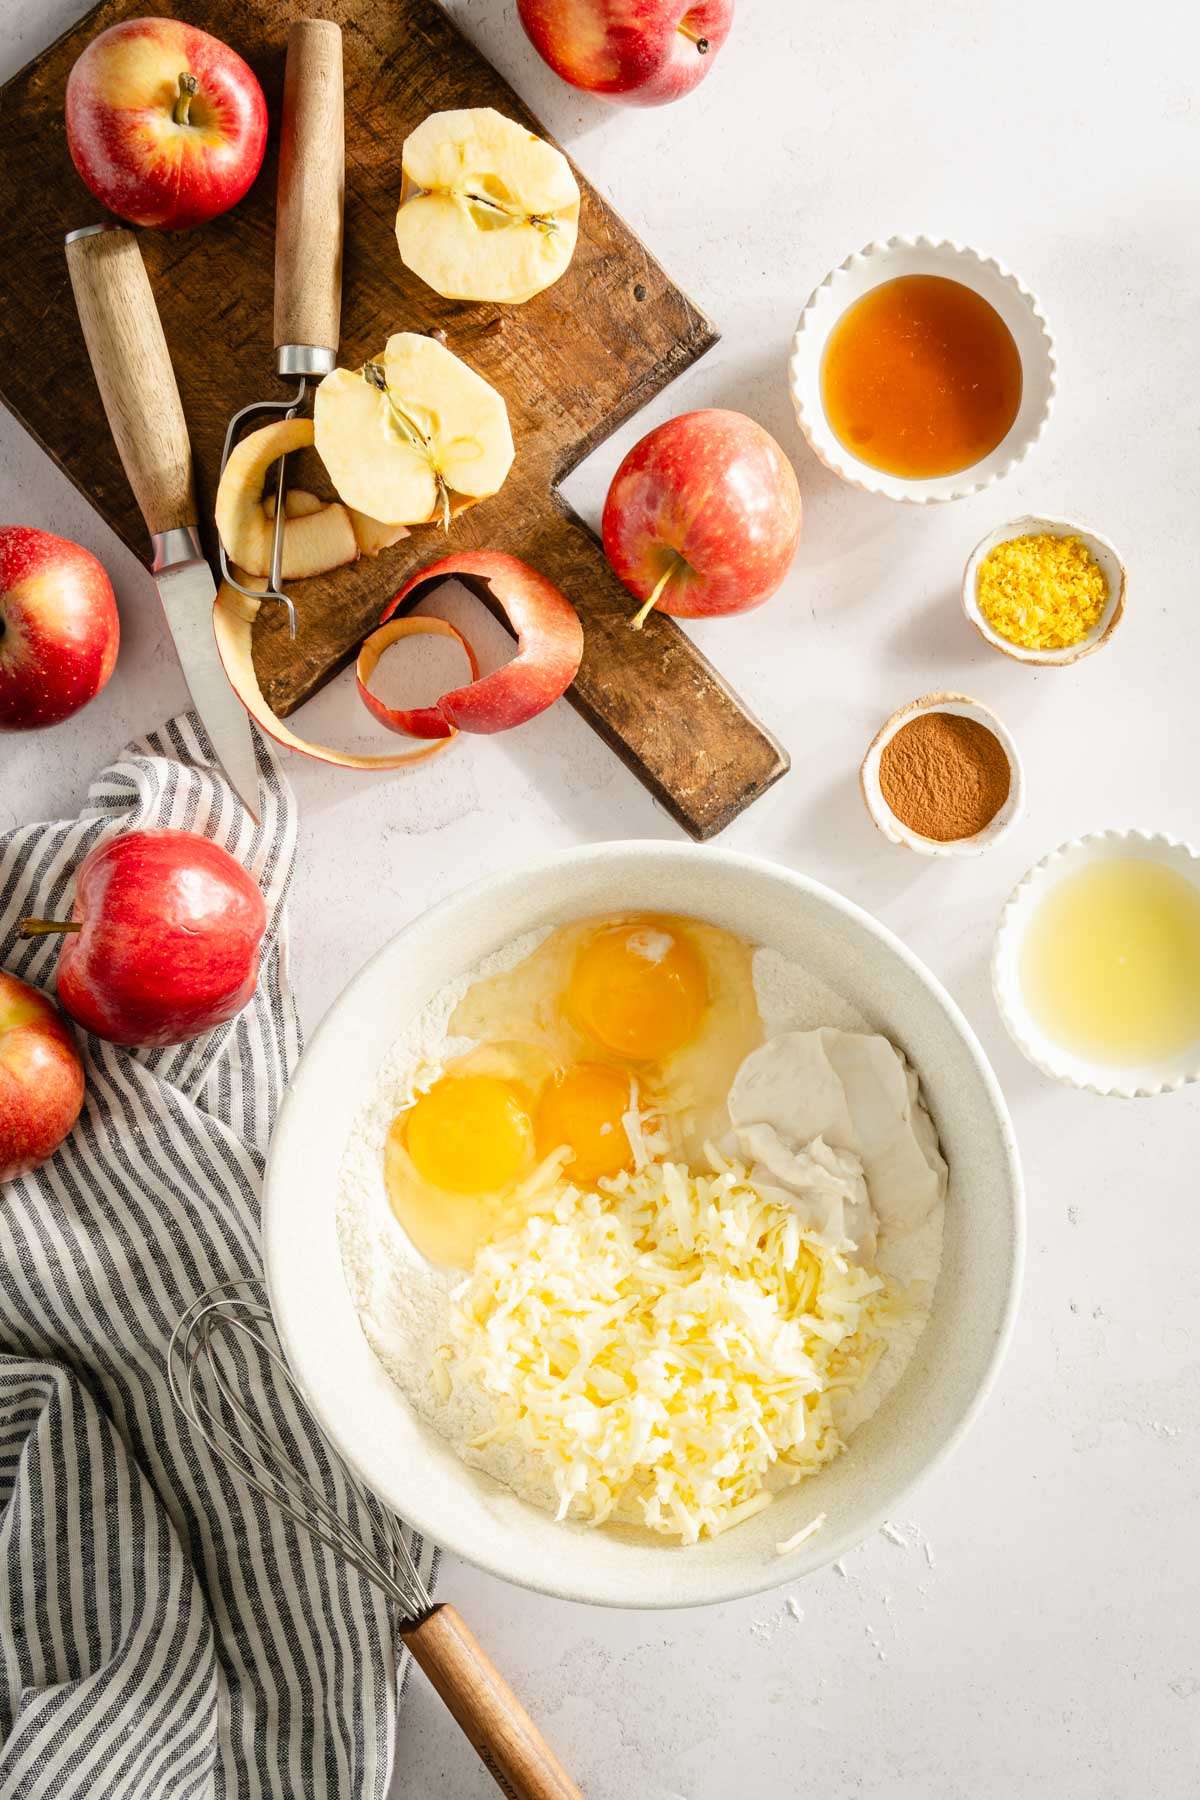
[488, 210]
[549, 643]
[233, 621]
[413, 436]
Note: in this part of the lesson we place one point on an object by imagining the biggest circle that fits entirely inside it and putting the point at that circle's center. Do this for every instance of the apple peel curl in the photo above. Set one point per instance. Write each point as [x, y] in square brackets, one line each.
[233, 620]
[411, 721]
[549, 647]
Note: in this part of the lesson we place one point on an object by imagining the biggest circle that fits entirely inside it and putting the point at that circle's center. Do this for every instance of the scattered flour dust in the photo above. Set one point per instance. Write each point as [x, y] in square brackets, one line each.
[402, 1301]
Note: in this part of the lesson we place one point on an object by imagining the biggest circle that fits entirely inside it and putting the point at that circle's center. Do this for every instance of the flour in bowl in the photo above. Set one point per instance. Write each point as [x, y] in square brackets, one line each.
[441, 1336]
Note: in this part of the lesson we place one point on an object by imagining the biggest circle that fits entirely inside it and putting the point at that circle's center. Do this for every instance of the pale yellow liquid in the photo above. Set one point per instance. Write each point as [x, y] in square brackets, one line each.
[1110, 966]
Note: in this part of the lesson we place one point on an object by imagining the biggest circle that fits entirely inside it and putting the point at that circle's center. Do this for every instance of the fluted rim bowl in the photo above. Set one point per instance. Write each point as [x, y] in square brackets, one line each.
[414, 1471]
[893, 828]
[1036, 525]
[868, 268]
[1135, 1082]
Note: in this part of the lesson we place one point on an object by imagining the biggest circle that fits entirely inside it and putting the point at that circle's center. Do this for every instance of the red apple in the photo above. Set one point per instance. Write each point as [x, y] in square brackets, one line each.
[642, 51]
[58, 628]
[166, 125]
[41, 1078]
[703, 516]
[163, 939]
[549, 650]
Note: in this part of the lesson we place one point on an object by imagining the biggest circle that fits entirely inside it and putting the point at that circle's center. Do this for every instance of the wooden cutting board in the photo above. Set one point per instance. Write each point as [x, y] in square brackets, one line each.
[572, 364]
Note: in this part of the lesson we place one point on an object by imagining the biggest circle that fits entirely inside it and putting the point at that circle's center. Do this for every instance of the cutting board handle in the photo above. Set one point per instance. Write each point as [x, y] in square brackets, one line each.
[508, 1743]
[311, 194]
[132, 365]
[650, 694]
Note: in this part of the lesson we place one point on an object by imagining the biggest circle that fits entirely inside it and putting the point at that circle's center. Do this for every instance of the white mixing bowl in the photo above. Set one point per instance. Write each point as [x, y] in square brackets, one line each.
[416, 1472]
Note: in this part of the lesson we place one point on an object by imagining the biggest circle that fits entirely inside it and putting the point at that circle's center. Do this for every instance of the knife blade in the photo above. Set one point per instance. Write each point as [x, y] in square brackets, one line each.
[187, 592]
[132, 365]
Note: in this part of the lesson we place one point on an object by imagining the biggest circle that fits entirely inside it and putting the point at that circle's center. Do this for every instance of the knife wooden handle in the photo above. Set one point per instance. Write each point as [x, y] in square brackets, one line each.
[132, 365]
[312, 180]
[505, 1738]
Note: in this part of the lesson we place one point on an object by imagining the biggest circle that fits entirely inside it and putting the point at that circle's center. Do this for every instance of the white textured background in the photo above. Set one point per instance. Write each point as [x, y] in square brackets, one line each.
[1037, 1634]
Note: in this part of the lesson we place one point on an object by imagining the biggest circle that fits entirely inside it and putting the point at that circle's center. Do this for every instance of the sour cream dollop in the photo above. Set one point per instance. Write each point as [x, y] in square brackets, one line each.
[832, 1121]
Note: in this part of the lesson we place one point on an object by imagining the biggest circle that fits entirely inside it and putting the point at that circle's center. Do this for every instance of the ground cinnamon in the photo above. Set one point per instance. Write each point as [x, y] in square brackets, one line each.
[943, 776]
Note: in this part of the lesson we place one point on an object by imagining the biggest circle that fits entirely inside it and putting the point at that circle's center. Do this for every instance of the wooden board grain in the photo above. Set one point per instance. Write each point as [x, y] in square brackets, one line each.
[573, 364]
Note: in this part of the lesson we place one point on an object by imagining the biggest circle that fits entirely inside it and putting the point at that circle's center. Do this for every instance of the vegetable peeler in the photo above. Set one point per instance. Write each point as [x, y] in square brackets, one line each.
[308, 253]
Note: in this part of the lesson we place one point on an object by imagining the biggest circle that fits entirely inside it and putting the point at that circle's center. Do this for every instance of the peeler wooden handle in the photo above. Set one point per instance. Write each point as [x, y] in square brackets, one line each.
[308, 207]
[124, 338]
[506, 1739]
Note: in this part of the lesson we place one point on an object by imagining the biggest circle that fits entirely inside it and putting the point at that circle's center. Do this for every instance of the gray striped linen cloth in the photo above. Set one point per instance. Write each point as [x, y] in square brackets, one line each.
[162, 1632]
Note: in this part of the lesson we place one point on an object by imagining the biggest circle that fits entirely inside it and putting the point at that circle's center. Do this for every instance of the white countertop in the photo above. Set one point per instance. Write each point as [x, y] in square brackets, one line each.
[1037, 1631]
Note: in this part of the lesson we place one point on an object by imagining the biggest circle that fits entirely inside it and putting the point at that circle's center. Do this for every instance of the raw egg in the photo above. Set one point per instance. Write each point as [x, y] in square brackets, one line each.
[582, 1109]
[639, 989]
[470, 1133]
[644, 1012]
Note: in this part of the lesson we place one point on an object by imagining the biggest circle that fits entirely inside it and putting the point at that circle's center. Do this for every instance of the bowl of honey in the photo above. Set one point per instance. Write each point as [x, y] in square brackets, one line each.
[1096, 966]
[922, 370]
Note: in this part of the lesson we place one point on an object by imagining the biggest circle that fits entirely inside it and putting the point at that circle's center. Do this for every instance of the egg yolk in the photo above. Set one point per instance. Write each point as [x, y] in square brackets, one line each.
[639, 989]
[582, 1108]
[470, 1133]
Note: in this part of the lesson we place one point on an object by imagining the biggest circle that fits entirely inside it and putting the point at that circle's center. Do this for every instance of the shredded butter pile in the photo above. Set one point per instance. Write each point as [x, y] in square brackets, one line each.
[664, 1347]
[1041, 592]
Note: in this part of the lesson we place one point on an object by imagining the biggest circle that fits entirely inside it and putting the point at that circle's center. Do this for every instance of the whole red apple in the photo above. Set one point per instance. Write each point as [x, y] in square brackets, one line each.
[703, 516]
[41, 1078]
[642, 51]
[163, 938]
[166, 125]
[58, 628]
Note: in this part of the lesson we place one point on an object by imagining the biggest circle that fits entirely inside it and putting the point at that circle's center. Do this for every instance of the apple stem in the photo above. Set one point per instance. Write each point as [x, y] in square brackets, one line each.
[701, 43]
[183, 100]
[640, 618]
[45, 927]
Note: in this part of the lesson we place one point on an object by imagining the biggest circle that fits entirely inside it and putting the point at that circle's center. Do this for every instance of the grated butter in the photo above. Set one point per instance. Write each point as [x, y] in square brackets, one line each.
[668, 1350]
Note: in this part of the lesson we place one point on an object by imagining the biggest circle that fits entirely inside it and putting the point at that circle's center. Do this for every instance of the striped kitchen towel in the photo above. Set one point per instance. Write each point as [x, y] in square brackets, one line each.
[162, 1633]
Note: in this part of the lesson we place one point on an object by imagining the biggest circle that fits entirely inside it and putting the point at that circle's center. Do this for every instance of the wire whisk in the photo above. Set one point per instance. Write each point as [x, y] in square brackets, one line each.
[210, 1368]
[223, 1361]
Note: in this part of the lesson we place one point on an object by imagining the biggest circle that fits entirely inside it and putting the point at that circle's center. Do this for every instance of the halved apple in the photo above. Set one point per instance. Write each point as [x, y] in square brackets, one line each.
[488, 211]
[313, 542]
[413, 435]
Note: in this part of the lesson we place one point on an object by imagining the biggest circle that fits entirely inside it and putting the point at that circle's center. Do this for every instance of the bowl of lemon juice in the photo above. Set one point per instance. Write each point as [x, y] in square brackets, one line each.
[1096, 967]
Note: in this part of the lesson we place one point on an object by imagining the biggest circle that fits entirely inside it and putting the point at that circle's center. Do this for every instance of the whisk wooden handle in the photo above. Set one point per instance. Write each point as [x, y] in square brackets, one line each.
[124, 338]
[312, 179]
[506, 1739]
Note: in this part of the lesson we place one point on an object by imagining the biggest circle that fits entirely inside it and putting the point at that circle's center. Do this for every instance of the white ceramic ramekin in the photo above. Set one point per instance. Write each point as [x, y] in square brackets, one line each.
[867, 269]
[1032, 525]
[894, 829]
[1138, 1082]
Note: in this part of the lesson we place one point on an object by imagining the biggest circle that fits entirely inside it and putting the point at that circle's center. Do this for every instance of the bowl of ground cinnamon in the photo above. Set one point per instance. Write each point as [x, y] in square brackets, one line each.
[943, 776]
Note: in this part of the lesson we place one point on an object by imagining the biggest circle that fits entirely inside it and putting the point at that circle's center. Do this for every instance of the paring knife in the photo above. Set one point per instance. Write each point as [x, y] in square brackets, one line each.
[132, 365]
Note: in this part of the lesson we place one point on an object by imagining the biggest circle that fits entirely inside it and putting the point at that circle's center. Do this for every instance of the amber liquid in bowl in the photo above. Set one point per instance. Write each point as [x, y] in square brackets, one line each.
[921, 377]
